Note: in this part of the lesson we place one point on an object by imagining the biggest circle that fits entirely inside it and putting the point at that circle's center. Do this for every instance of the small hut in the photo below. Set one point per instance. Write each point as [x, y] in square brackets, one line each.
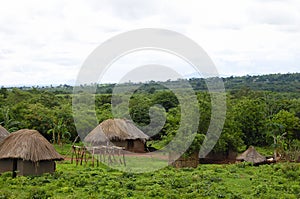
[251, 155]
[3, 133]
[120, 132]
[27, 152]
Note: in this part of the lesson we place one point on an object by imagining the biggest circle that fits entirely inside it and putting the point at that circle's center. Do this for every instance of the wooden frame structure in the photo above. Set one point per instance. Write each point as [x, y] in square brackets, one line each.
[108, 154]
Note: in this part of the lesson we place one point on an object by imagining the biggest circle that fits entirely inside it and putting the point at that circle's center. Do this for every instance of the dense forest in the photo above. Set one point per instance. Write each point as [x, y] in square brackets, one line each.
[274, 82]
[261, 110]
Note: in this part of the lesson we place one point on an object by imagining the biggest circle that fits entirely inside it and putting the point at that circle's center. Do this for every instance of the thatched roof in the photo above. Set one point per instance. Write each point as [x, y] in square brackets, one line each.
[115, 130]
[28, 145]
[251, 155]
[3, 133]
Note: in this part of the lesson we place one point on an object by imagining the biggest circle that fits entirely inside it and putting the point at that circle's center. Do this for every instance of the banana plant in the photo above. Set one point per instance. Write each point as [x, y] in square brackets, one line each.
[8, 122]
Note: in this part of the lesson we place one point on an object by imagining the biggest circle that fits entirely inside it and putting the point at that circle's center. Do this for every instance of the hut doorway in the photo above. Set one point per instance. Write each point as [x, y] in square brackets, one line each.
[14, 168]
[130, 144]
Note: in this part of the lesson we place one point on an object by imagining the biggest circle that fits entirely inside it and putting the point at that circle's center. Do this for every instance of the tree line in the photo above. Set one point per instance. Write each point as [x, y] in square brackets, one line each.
[259, 118]
[289, 82]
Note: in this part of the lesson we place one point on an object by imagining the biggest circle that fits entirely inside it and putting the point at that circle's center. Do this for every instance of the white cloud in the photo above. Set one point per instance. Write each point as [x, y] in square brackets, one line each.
[49, 40]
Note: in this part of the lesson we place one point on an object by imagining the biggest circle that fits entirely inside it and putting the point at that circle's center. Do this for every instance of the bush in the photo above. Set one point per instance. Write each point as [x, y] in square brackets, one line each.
[39, 194]
[4, 194]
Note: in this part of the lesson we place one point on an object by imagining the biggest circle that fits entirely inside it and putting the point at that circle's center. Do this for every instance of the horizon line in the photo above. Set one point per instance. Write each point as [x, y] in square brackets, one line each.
[109, 83]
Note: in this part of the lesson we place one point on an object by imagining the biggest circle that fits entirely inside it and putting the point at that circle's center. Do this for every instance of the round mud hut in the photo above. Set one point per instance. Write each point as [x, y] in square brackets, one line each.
[3, 133]
[251, 155]
[119, 132]
[27, 152]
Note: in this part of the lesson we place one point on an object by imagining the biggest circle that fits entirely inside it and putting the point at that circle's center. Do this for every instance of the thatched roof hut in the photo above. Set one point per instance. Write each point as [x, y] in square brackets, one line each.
[120, 132]
[251, 155]
[28, 152]
[3, 133]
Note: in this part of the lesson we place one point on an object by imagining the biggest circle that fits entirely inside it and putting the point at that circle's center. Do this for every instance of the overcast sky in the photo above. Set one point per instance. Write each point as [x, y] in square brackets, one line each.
[46, 42]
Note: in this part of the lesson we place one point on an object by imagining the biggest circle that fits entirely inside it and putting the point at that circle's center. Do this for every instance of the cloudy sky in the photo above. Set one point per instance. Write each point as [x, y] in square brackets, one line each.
[46, 42]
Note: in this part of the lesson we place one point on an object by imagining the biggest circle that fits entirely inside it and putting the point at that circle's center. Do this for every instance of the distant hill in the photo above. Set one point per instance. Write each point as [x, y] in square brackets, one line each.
[274, 82]
[289, 82]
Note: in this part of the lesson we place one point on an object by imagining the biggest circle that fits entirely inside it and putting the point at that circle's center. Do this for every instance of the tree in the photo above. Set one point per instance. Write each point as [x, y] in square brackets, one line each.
[38, 117]
[250, 113]
[104, 112]
[139, 106]
[278, 136]
[8, 121]
[167, 99]
[289, 123]
[59, 132]
[204, 103]
[4, 92]
[231, 136]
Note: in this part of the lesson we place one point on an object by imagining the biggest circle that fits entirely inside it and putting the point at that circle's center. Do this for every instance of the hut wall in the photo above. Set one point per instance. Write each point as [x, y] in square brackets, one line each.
[31, 168]
[138, 146]
[27, 167]
[212, 157]
[191, 161]
[216, 156]
[131, 145]
[6, 165]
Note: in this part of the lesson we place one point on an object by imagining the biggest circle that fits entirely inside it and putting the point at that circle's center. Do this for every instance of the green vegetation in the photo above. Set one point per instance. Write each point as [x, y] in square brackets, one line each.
[206, 181]
[254, 117]
[261, 110]
[272, 82]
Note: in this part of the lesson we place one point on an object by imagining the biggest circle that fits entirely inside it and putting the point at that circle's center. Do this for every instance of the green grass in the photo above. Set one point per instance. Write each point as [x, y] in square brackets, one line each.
[133, 163]
[65, 149]
[206, 181]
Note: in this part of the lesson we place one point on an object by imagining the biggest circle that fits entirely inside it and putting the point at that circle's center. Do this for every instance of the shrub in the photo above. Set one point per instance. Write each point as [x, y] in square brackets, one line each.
[4, 194]
[39, 194]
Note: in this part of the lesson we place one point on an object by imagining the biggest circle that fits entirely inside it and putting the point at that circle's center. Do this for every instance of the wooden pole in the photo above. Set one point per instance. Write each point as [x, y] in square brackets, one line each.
[73, 150]
[82, 154]
[77, 155]
[93, 158]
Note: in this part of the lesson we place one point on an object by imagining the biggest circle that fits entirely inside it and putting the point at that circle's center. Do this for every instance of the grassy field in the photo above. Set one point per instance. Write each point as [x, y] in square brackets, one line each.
[206, 181]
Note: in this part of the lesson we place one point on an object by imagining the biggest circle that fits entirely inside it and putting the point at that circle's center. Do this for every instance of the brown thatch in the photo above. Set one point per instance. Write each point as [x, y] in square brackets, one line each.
[3, 133]
[115, 130]
[28, 145]
[251, 155]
